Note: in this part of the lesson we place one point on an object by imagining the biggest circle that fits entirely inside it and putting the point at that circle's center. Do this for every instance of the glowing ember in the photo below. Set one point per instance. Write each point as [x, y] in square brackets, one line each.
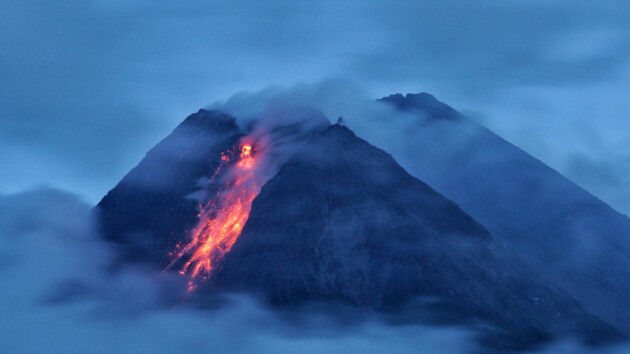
[222, 218]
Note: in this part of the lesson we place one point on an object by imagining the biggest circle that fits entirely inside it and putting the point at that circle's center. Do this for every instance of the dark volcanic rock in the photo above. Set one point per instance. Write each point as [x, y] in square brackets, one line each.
[339, 220]
[555, 226]
[424, 103]
[154, 206]
[148, 212]
[343, 221]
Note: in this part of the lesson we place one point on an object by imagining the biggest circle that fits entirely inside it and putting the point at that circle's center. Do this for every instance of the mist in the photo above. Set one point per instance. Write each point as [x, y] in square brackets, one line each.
[60, 295]
[90, 87]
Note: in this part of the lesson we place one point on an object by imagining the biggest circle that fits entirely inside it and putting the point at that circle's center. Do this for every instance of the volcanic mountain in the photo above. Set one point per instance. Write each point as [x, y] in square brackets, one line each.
[343, 221]
[552, 224]
[334, 219]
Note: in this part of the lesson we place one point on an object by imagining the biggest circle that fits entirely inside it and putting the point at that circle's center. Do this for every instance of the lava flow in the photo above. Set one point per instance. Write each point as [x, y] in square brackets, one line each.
[222, 218]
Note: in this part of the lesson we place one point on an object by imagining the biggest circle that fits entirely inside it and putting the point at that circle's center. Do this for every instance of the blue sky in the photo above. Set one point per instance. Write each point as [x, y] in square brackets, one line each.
[89, 86]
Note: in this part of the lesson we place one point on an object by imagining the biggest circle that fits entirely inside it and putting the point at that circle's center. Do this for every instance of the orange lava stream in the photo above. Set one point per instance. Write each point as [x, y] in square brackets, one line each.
[221, 219]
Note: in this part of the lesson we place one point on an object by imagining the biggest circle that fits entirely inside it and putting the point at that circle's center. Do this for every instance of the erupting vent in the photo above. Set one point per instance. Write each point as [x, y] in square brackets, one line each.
[222, 217]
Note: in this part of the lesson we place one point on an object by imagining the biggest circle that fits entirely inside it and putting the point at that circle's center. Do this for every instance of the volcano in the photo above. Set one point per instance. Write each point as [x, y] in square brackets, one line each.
[543, 218]
[335, 220]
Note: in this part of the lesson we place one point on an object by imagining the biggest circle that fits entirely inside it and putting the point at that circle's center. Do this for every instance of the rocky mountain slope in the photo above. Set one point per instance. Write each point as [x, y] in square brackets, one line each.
[339, 220]
[552, 224]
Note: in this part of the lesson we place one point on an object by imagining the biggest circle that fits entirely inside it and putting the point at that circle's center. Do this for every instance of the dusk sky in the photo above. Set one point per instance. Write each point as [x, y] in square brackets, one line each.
[470, 242]
[89, 86]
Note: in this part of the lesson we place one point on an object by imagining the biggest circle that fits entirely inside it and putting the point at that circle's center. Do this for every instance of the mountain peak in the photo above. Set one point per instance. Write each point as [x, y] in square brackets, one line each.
[338, 129]
[213, 121]
[423, 102]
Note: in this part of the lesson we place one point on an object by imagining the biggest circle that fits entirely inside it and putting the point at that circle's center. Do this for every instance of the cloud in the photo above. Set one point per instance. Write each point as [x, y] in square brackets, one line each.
[495, 45]
[88, 88]
[607, 177]
[563, 127]
[61, 296]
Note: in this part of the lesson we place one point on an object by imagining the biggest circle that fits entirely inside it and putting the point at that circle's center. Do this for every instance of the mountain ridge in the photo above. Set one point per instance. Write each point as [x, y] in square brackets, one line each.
[342, 221]
[548, 221]
[336, 184]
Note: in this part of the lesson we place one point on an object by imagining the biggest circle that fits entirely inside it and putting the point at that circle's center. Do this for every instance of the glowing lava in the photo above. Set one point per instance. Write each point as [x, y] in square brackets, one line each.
[222, 218]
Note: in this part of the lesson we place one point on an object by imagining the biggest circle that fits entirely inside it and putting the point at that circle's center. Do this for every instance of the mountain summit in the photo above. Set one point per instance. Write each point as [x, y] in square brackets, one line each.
[541, 217]
[422, 102]
[312, 213]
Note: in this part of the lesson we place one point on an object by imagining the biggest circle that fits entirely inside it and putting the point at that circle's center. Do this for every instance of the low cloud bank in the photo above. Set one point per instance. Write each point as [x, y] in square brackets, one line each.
[59, 295]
